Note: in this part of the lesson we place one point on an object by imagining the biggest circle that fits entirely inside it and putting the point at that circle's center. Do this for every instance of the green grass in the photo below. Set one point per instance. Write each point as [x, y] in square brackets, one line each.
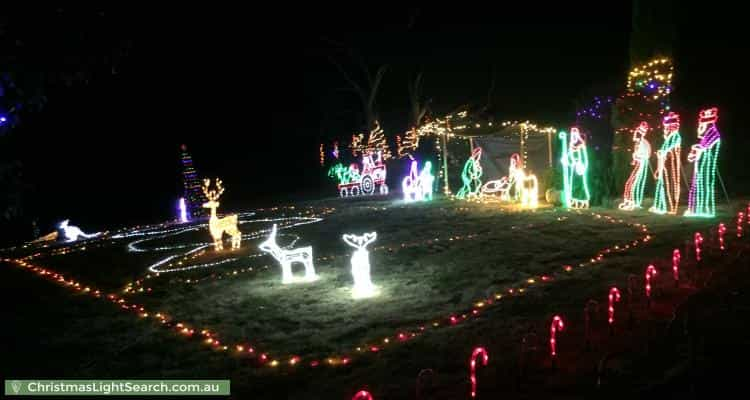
[420, 283]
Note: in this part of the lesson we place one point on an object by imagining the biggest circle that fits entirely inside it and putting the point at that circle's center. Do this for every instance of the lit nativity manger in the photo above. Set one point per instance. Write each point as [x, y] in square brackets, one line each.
[510, 155]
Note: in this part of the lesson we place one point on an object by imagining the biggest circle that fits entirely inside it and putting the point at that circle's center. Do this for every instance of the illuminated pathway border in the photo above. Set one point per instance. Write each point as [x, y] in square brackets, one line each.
[211, 338]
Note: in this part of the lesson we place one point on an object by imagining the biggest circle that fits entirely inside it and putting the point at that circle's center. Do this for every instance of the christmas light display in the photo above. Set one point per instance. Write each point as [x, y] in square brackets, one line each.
[676, 266]
[322, 155]
[705, 154]
[353, 182]
[192, 186]
[362, 395]
[73, 233]
[614, 296]
[476, 353]
[698, 242]
[557, 325]
[182, 208]
[652, 80]
[575, 161]
[218, 226]
[408, 144]
[363, 286]
[377, 143]
[470, 176]
[721, 231]
[636, 183]
[667, 194]
[650, 273]
[286, 257]
[417, 186]
[212, 338]
[740, 222]
[525, 187]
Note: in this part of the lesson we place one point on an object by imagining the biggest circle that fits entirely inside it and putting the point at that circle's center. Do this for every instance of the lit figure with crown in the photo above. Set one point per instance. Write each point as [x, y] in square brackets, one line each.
[576, 164]
[702, 196]
[667, 195]
[636, 183]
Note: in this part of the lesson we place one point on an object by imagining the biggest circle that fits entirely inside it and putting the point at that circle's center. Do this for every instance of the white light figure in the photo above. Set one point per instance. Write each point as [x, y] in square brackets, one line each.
[73, 233]
[217, 226]
[418, 186]
[183, 210]
[286, 257]
[363, 286]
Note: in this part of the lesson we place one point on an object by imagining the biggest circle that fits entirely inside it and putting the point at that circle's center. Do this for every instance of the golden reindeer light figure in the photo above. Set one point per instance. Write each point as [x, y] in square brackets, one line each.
[217, 226]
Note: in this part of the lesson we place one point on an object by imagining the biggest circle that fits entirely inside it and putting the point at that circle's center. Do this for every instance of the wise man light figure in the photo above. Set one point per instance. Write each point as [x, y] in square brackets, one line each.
[702, 197]
[426, 181]
[636, 183]
[578, 162]
[667, 195]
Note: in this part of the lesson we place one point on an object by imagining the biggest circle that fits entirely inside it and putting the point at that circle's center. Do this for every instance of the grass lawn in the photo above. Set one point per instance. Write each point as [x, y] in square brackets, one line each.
[431, 262]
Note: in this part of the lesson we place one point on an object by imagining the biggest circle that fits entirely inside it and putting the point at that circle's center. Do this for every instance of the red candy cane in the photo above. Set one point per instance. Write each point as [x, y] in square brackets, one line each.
[362, 395]
[650, 272]
[479, 351]
[557, 324]
[740, 221]
[614, 296]
[698, 240]
[723, 230]
[676, 265]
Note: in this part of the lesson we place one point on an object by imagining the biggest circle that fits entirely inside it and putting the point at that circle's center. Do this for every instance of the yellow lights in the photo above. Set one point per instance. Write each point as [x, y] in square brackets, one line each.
[653, 79]
[217, 226]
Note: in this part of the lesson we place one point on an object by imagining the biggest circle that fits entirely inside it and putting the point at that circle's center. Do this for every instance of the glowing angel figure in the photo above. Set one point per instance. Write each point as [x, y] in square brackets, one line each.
[73, 233]
[471, 176]
[426, 181]
[363, 286]
[218, 226]
[702, 198]
[667, 195]
[417, 186]
[411, 186]
[575, 164]
[636, 183]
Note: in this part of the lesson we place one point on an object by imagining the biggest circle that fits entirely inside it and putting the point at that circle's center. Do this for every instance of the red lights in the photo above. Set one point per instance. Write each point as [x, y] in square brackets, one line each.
[557, 325]
[614, 296]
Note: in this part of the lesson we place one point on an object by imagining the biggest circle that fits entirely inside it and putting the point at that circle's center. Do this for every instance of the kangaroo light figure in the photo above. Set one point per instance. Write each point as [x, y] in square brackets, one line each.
[217, 226]
[286, 257]
[73, 233]
[363, 286]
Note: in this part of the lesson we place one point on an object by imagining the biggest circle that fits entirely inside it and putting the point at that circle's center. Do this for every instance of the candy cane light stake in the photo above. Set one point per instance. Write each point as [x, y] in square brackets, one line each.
[362, 395]
[676, 266]
[740, 222]
[479, 351]
[650, 273]
[722, 230]
[614, 296]
[698, 240]
[557, 325]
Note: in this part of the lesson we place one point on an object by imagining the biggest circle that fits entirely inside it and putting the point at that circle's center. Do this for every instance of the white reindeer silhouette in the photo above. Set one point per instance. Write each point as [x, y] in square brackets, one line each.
[363, 286]
[217, 226]
[286, 257]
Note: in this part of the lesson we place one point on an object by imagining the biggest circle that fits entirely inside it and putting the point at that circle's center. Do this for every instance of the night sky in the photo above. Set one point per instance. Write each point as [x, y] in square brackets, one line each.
[252, 93]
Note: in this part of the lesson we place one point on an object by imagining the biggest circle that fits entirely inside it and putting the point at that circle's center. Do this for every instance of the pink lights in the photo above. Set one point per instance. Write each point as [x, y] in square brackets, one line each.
[650, 273]
[557, 325]
[479, 351]
[614, 296]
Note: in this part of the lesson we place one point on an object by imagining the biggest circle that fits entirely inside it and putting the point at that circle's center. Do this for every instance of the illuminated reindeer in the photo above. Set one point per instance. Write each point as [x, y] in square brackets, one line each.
[217, 226]
[286, 257]
[363, 286]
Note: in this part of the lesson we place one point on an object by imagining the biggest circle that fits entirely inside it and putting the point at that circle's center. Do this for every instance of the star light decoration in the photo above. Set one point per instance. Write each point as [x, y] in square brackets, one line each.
[211, 338]
[652, 80]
